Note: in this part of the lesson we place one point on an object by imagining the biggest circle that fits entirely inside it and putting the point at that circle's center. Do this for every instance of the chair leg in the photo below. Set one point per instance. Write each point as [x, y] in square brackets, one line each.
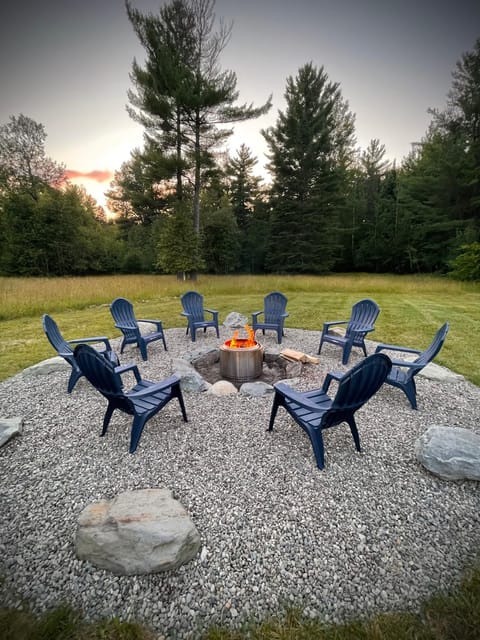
[277, 402]
[106, 419]
[143, 349]
[164, 343]
[353, 428]
[177, 393]
[74, 378]
[320, 345]
[316, 438]
[410, 390]
[137, 430]
[347, 349]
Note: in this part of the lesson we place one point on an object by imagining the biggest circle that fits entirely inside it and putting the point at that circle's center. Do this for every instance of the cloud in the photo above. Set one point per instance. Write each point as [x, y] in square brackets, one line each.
[98, 175]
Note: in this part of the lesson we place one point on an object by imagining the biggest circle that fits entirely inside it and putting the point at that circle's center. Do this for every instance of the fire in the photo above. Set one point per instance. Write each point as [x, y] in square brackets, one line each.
[242, 343]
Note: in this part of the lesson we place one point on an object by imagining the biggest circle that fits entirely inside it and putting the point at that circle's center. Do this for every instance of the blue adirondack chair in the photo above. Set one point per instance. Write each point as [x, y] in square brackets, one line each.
[142, 402]
[125, 320]
[63, 348]
[194, 312]
[274, 314]
[403, 372]
[315, 411]
[362, 321]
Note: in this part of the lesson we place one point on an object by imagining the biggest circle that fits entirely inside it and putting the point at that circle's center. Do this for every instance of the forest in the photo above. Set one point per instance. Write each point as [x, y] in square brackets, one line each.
[182, 205]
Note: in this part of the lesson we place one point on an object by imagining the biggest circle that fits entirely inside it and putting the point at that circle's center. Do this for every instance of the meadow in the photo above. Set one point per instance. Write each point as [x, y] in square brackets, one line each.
[412, 309]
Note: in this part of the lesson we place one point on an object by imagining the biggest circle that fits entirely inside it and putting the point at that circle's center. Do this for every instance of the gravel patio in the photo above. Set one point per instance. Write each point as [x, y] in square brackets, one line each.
[373, 532]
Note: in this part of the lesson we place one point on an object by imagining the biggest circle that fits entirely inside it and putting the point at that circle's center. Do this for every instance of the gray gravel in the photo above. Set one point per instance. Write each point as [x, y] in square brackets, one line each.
[372, 532]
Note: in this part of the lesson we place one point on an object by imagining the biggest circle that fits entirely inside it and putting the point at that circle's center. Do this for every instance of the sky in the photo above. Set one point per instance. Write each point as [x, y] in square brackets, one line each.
[66, 65]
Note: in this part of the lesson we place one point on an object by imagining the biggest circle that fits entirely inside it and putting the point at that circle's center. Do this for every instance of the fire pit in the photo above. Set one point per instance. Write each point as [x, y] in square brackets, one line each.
[241, 359]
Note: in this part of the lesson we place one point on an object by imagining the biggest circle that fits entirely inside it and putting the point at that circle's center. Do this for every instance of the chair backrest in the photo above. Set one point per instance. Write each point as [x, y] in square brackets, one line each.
[54, 336]
[364, 313]
[437, 343]
[357, 386]
[100, 372]
[123, 314]
[192, 303]
[275, 304]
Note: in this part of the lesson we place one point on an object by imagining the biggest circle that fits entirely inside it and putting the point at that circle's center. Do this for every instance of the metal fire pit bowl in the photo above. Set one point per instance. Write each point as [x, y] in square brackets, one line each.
[241, 365]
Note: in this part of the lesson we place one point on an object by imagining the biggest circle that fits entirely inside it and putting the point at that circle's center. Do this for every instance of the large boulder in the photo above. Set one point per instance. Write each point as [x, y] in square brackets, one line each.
[452, 453]
[138, 532]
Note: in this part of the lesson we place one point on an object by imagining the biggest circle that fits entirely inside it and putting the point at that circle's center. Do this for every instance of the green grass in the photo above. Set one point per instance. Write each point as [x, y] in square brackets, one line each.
[412, 308]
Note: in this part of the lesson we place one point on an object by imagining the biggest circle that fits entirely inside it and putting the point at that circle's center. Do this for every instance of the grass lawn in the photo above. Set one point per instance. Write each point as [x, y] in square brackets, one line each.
[412, 309]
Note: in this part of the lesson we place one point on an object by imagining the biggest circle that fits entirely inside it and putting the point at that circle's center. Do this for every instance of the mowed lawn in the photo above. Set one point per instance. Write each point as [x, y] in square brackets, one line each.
[412, 309]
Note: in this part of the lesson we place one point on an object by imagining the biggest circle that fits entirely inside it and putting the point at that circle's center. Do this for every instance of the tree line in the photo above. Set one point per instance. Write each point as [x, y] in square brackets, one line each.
[182, 205]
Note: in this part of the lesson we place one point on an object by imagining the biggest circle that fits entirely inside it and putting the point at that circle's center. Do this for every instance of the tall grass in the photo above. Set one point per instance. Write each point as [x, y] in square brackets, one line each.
[412, 308]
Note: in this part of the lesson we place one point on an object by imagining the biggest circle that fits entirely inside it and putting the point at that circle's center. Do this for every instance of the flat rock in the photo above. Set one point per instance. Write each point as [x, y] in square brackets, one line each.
[452, 453]
[43, 368]
[223, 388]
[9, 427]
[257, 389]
[138, 532]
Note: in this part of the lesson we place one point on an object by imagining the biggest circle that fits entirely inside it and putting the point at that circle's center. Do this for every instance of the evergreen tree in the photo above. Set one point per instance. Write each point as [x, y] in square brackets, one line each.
[182, 94]
[244, 194]
[311, 147]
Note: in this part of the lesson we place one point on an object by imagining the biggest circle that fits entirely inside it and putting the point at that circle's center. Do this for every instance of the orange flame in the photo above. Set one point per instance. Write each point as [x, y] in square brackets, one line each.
[241, 343]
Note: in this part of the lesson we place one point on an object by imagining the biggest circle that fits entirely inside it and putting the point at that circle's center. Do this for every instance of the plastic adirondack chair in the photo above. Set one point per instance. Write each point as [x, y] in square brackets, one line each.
[63, 348]
[274, 314]
[142, 402]
[315, 411]
[403, 372]
[194, 312]
[124, 317]
[362, 320]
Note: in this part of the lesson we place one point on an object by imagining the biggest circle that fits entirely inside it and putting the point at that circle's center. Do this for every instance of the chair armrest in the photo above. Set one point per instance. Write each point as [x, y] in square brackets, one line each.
[331, 375]
[157, 323]
[326, 325]
[255, 314]
[298, 398]
[284, 315]
[187, 314]
[129, 367]
[213, 312]
[103, 339]
[154, 388]
[393, 347]
[407, 364]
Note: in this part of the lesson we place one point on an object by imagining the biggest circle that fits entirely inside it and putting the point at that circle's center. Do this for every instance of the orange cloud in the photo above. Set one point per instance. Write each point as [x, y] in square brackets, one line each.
[97, 174]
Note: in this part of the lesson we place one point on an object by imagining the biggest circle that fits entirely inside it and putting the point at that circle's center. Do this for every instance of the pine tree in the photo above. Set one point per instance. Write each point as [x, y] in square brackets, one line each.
[311, 147]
